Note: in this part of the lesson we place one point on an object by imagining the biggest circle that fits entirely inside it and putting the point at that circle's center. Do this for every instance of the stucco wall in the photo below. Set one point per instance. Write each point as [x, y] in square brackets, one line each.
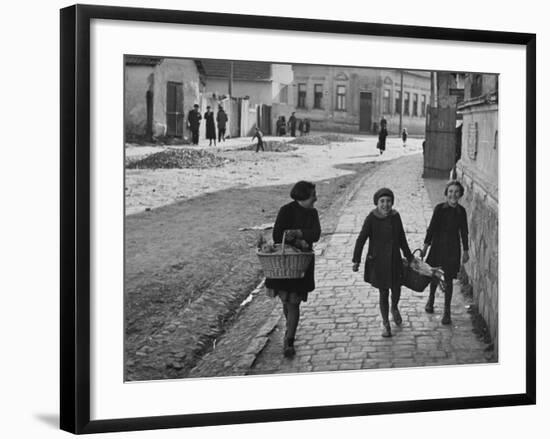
[479, 174]
[137, 80]
[258, 92]
[175, 70]
[358, 80]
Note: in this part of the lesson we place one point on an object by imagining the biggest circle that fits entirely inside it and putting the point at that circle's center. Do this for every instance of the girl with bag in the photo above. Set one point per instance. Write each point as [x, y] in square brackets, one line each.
[447, 228]
[383, 264]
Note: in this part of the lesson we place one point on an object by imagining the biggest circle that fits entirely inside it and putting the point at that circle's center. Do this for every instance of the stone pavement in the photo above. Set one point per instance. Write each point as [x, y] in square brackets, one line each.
[340, 325]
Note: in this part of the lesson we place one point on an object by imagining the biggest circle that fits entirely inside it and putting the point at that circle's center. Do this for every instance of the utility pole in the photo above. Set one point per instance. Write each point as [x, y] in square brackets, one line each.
[401, 107]
[230, 86]
[433, 90]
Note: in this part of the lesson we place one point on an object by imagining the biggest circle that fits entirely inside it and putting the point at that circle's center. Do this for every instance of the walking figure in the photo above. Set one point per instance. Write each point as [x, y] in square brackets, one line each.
[210, 126]
[404, 136]
[292, 124]
[193, 122]
[259, 135]
[301, 222]
[221, 118]
[383, 264]
[447, 228]
[382, 134]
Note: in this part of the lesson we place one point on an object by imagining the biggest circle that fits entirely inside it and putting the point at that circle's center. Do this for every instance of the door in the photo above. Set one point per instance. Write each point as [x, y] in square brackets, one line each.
[441, 141]
[365, 111]
[174, 109]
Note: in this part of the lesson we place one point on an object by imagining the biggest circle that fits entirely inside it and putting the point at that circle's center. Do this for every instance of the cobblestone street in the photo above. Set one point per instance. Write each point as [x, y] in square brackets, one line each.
[340, 325]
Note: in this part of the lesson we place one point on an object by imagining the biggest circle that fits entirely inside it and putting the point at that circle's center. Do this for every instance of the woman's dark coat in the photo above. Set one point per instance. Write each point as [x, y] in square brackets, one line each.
[221, 118]
[447, 227]
[210, 125]
[382, 138]
[293, 216]
[383, 265]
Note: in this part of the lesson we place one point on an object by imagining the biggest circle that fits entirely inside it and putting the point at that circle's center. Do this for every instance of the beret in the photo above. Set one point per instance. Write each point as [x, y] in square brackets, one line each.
[383, 192]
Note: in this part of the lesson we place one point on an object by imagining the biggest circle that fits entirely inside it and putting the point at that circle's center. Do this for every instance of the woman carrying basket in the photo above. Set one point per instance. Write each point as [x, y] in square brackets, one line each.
[383, 265]
[300, 220]
[447, 228]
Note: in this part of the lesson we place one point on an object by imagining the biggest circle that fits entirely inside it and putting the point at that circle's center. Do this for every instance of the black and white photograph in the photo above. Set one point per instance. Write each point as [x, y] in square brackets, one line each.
[307, 218]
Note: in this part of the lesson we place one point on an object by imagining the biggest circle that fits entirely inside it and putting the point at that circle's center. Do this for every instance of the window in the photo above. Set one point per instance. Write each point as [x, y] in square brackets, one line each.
[318, 96]
[406, 103]
[386, 102]
[423, 105]
[283, 94]
[341, 97]
[397, 102]
[415, 104]
[301, 95]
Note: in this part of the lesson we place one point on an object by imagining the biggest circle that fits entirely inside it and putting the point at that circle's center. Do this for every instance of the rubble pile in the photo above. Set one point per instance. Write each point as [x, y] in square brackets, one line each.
[323, 139]
[271, 146]
[178, 158]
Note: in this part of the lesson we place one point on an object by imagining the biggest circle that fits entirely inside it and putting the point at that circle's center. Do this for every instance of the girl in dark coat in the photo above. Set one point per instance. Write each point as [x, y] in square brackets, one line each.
[210, 126]
[383, 265]
[447, 228]
[382, 138]
[301, 221]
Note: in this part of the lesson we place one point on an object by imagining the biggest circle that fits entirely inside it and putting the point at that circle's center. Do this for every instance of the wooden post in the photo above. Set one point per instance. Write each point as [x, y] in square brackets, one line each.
[401, 107]
[230, 86]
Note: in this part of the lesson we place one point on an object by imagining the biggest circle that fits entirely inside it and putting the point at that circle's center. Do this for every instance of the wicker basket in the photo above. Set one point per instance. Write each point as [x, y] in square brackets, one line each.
[414, 280]
[285, 265]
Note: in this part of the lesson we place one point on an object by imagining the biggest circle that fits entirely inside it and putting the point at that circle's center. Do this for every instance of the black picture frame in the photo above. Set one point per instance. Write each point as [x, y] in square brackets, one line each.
[75, 217]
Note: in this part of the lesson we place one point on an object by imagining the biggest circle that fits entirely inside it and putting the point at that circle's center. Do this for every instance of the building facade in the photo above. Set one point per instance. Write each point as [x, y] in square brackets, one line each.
[158, 93]
[352, 99]
[477, 169]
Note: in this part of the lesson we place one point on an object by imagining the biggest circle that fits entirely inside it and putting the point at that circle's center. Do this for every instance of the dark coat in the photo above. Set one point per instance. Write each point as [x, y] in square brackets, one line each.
[221, 118]
[194, 119]
[447, 227]
[382, 138]
[210, 125]
[293, 216]
[292, 122]
[383, 265]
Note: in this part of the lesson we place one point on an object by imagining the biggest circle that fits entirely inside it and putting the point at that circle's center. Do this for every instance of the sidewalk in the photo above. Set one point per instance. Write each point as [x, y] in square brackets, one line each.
[340, 325]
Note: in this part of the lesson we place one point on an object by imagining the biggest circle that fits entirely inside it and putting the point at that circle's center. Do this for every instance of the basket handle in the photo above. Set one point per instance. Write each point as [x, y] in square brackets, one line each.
[283, 243]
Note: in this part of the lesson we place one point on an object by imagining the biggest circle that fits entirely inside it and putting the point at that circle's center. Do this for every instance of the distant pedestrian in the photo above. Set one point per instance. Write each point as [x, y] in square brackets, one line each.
[448, 226]
[382, 134]
[279, 126]
[210, 126]
[306, 126]
[404, 136]
[292, 124]
[383, 264]
[259, 135]
[301, 222]
[221, 118]
[193, 122]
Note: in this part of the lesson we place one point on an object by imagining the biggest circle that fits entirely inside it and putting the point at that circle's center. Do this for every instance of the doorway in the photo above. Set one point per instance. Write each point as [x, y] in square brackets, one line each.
[365, 112]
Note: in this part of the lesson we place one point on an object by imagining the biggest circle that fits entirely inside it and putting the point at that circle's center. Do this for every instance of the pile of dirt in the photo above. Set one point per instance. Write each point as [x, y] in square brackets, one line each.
[334, 137]
[323, 139]
[310, 140]
[178, 158]
[271, 146]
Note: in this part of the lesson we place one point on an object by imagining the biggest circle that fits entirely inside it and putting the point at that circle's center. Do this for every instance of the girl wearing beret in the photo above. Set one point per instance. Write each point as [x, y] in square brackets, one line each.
[383, 265]
[447, 228]
[301, 221]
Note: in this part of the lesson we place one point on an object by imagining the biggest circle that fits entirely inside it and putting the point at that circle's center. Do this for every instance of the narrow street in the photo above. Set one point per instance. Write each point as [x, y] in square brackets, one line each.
[340, 325]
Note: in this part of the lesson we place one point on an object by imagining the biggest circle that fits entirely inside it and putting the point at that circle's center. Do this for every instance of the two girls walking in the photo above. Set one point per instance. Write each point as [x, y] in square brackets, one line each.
[383, 268]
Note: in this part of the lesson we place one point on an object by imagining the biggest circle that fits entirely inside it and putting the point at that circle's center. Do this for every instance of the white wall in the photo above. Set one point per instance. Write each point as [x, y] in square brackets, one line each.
[30, 223]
